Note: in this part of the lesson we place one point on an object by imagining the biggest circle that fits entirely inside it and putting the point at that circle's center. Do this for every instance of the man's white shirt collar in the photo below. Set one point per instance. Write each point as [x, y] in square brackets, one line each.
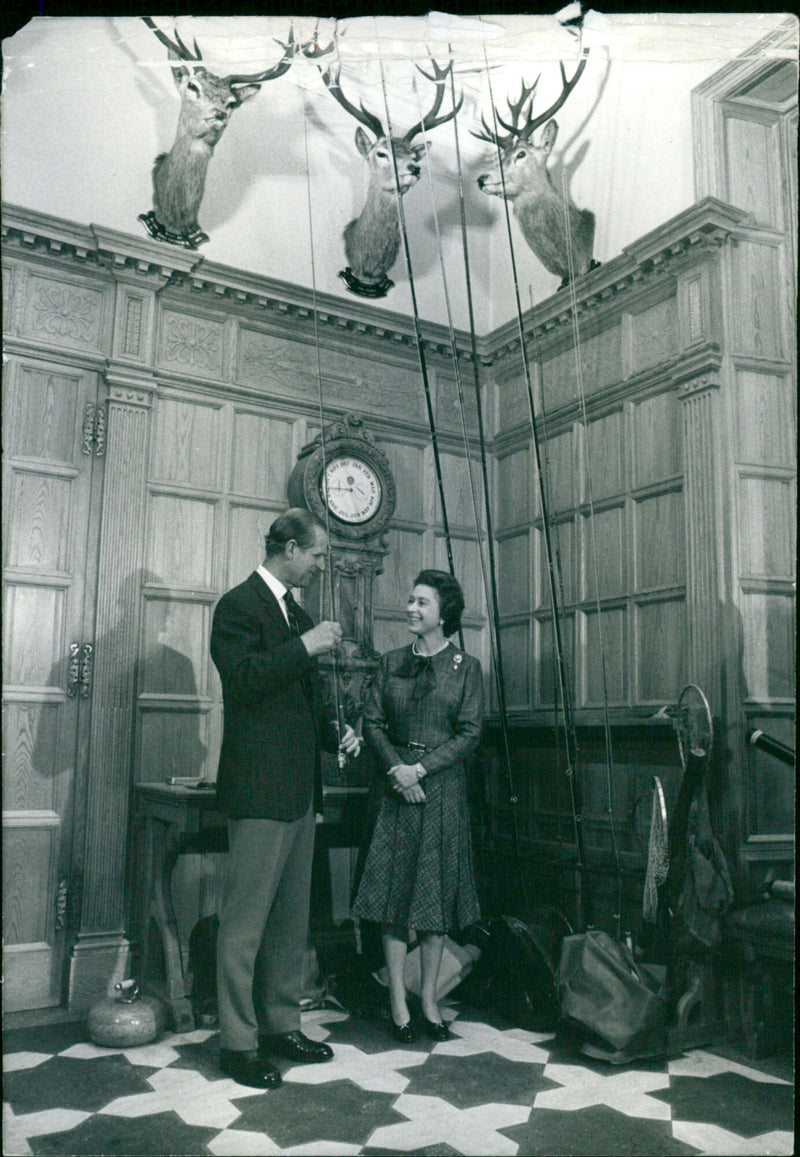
[276, 586]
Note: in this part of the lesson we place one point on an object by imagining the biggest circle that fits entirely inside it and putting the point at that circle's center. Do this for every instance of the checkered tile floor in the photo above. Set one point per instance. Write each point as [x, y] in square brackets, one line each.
[492, 1089]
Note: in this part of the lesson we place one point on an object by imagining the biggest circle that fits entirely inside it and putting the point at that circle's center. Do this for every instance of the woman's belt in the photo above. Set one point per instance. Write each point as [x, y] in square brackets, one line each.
[412, 749]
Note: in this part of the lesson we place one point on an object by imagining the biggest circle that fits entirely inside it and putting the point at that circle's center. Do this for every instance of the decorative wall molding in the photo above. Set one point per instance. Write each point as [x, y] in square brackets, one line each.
[685, 240]
[231, 289]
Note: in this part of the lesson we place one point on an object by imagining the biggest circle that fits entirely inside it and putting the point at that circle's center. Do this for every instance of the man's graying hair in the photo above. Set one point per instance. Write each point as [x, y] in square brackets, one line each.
[295, 523]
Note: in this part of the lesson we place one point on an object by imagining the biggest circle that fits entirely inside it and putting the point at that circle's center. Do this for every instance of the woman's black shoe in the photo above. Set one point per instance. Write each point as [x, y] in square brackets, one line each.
[403, 1033]
[436, 1030]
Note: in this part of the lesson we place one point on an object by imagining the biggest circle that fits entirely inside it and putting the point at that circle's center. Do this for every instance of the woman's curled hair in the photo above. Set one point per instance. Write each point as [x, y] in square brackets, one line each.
[451, 597]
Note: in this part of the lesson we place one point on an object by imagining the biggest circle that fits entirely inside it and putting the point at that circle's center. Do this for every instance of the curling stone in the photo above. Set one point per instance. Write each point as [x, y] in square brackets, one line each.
[126, 1020]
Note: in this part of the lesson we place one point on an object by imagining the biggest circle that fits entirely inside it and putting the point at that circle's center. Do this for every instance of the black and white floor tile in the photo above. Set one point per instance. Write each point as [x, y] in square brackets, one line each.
[491, 1089]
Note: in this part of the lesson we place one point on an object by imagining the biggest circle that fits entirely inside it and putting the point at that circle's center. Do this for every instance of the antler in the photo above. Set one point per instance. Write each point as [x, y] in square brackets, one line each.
[179, 49]
[283, 65]
[330, 78]
[431, 120]
[312, 49]
[176, 46]
[567, 87]
[517, 132]
[515, 108]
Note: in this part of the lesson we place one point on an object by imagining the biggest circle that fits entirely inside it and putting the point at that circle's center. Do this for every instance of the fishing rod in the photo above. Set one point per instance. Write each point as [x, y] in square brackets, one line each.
[339, 720]
[570, 736]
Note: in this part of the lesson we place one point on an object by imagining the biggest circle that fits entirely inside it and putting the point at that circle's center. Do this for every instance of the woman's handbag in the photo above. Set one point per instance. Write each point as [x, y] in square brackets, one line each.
[603, 990]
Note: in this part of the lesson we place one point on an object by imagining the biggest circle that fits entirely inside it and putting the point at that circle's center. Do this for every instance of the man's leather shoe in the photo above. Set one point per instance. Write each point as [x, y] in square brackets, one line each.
[248, 1068]
[295, 1046]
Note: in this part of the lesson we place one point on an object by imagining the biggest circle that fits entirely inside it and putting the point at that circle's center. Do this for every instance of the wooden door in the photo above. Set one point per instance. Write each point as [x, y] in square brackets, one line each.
[51, 475]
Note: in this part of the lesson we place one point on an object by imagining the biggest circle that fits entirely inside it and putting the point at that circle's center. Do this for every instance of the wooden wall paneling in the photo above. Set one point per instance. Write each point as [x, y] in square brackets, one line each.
[659, 549]
[100, 954]
[603, 456]
[757, 300]
[12, 273]
[458, 490]
[511, 407]
[602, 675]
[545, 674]
[513, 490]
[182, 533]
[405, 558]
[242, 549]
[559, 381]
[513, 565]
[66, 312]
[695, 313]
[31, 847]
[765, 418]
[603, 552]
[261, 448]
[600, 361]
[134, 309]
[407, 461]
[771, 784]
[448, 404]
[515, 640]
[766, 525]
[653, 334]
[192, 344]
[660, 650]
[49, 534]
[467, 566]
[768, 660]
[187, 443]
[564, 550]
[656, 445]
[561, 471]
[705, 540]
[752, 163]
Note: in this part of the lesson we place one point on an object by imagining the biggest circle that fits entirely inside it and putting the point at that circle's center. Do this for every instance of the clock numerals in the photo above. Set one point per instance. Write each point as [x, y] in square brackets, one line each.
[351, 489]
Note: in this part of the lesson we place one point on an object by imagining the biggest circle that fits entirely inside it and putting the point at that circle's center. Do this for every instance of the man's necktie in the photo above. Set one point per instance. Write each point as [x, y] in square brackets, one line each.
[291, 612]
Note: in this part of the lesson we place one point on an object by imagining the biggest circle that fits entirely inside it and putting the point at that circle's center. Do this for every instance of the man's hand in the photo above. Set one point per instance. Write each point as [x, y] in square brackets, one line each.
[404, 775]
[322, 638]
[350, 743]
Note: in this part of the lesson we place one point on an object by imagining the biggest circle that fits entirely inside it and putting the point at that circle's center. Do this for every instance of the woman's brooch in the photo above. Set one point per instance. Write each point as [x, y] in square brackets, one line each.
[457, 661]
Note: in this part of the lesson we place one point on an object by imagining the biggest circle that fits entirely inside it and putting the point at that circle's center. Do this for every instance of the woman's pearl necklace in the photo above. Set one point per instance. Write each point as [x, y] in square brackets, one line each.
[428, 654]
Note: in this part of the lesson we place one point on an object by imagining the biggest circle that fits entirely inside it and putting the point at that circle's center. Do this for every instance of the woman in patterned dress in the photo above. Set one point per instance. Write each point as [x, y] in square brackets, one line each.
[423, 716]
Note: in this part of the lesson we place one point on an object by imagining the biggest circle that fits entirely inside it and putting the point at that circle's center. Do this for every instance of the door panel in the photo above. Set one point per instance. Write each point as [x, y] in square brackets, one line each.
[48, 470]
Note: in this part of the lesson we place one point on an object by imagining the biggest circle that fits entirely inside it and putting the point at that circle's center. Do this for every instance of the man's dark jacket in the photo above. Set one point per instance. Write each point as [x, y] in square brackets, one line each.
[269, 766]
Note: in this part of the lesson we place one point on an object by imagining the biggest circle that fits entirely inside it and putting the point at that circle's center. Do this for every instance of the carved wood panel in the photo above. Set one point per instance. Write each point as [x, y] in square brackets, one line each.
[49, 465]
[63, 312]
[186, 443]
[752, 168]
[513, 572]
[660, 651]
[765, 434]
[603, 658]
[656, 447]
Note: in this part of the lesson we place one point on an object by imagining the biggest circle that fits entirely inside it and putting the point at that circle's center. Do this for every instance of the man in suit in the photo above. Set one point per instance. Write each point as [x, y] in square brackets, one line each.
[265, 648]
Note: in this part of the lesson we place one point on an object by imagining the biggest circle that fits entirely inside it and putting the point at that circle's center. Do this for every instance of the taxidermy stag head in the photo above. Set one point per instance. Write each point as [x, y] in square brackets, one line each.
[561, 235]
[372, 239]
[207, 104]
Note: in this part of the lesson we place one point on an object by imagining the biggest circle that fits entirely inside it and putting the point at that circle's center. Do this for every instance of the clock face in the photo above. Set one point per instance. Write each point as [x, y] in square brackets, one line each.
[351, 489]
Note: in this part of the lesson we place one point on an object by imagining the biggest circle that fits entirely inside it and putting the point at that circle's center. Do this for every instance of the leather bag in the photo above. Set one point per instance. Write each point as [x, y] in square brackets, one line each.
[603, 991]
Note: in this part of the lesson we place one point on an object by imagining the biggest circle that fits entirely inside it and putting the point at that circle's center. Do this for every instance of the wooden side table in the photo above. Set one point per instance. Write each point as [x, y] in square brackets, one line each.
[169, 820]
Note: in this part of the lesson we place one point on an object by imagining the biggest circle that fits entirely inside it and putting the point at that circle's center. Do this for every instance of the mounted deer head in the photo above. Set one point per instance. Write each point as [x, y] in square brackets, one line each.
[561, 235]
[372, 239]
[207, 104]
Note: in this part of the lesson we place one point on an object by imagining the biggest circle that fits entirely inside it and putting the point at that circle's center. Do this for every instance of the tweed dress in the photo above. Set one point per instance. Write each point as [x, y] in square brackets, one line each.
[418, 872]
